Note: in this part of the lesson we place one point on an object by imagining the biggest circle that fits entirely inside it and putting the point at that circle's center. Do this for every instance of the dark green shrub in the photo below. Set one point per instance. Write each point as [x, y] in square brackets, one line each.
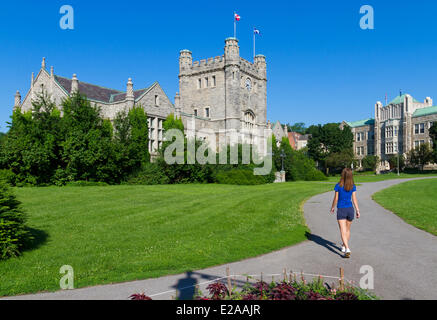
[7, 176]
[151, 174]
[87, 184]
[370, 162]
[240, 177]
[13, 233]
[315, 175]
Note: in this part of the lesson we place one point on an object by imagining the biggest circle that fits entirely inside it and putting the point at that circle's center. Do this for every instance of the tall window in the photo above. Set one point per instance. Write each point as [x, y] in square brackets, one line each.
[214, 83]
[156, 100]
[195, 112]
[422, 128]
[249, 120]
[206, 82]
[207, 112]
[199, 84]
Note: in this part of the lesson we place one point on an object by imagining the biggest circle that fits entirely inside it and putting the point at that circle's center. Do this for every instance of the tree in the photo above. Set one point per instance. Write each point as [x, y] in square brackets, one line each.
[370, 162]
[393, 161]
[340, 160]
[298, 127]
[88, 149]
[32, 147]
[329, 139]
[13, 232]
[420, 156]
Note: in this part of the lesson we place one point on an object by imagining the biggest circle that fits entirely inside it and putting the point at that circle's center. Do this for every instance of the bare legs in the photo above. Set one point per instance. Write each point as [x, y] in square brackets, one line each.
[345, 231]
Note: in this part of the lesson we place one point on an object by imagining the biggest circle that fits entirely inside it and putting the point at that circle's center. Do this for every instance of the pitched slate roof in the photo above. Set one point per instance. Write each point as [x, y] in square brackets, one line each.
[98, 93]
[425, 111]
[92, 91]
[361, 123]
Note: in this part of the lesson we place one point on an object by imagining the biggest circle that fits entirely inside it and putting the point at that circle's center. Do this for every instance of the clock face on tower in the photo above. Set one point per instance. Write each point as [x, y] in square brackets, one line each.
[248, 84]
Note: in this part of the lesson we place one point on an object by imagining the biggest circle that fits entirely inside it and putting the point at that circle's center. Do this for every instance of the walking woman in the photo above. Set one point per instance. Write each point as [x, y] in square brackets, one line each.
[345, 199]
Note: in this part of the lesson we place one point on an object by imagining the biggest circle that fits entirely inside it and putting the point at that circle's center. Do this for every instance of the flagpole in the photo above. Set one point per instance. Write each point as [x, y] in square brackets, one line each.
[254, 44]
[235, 26]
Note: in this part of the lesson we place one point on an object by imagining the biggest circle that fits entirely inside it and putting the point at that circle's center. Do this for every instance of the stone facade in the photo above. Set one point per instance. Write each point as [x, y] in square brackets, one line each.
[221, 94]
[397, 128]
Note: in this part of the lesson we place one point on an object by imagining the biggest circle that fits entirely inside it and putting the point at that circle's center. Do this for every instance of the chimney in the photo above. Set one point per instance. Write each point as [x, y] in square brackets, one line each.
[17, 99]
[74, 84]
[52, 71]
[130, 98]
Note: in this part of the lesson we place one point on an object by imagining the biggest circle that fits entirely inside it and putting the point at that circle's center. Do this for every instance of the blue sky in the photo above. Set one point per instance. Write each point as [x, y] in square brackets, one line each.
[321, 66]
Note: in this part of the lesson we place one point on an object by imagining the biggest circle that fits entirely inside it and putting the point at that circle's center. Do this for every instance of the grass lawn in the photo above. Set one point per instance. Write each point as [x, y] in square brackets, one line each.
[414, 201]
[122, 233]
[371, 177]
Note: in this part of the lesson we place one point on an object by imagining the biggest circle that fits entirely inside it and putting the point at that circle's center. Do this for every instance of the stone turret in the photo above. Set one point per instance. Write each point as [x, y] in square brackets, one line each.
[260, 63]
[185, 60]
[232, 51]
[177, 104]
[130, 98]
[17, 102]
[74, 84]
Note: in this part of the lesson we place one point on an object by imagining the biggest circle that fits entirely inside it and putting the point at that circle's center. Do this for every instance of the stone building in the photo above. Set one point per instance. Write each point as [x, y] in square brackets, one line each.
[397, 128]
[221, 94]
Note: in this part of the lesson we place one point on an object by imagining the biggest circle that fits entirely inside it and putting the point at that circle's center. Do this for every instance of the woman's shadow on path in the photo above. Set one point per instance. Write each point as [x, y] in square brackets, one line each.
[331, 246]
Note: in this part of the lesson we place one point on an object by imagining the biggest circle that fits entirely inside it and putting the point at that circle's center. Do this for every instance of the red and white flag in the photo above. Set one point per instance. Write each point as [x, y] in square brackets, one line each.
[237, 17]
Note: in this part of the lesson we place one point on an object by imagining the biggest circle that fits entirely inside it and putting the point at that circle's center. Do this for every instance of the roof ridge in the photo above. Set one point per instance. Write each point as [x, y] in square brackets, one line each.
[96, 85]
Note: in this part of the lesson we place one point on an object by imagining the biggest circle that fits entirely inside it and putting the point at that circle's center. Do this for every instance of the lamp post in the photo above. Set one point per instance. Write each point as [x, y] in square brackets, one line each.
[282, 155]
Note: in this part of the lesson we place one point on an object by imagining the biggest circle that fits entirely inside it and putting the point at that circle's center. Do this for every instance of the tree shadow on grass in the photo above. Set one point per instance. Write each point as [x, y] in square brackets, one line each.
[35, 240]
[331, 246]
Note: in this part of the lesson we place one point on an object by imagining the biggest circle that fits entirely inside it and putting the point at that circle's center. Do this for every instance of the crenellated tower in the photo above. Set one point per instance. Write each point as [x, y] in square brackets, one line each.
[228, 92]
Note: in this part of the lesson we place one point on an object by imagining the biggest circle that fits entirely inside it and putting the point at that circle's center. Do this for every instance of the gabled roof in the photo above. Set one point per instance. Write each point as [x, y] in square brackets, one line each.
[424, 111]
[361, 123]
[92, 91]
[98, 93]
[400, 99]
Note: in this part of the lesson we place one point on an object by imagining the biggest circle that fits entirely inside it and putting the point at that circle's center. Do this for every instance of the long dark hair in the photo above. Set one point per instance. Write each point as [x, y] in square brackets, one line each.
[347, 179]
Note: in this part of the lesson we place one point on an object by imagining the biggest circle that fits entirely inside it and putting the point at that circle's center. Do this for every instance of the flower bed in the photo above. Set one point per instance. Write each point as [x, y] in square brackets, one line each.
[285, 290]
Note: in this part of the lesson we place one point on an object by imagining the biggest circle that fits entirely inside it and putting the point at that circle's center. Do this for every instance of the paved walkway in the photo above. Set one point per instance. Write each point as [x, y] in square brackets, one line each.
[404, 258]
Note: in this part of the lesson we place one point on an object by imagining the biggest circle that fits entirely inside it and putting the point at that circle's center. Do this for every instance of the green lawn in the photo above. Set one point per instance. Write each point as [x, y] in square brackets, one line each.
[370, 177]
[414, 201]
[122, 233]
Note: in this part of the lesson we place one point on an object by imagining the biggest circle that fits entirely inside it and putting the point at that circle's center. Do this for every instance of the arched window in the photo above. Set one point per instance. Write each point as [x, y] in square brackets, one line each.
[249, 120]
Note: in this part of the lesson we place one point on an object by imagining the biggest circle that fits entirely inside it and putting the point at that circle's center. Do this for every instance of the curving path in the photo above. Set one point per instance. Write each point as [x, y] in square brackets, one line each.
[404, 258]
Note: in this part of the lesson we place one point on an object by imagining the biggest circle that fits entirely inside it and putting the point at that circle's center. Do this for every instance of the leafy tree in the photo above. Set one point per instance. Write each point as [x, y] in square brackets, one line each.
[298, 127]
[420, 156]
[370, 162]
[393, 161]
[31, 150]
[340, 160]
[329, 139]
[88, 151]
